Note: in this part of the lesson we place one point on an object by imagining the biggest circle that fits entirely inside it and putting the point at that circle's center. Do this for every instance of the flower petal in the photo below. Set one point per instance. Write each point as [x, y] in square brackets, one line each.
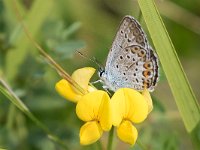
[90, 132]
[82, 77]
[87, 108]
[104, 115]
[91, 88]
[130, 104]
[148, 99]
[127, 132]
[118, 107]
[64, 89]
[138, 107]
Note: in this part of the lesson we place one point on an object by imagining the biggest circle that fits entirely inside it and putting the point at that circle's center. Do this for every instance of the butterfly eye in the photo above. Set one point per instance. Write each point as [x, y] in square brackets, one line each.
[101, 72]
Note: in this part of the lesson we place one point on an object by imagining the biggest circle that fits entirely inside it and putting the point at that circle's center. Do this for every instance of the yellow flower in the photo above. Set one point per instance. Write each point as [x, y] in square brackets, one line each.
[128, 106]
[94, 108]
[82, 77]
[148, 99]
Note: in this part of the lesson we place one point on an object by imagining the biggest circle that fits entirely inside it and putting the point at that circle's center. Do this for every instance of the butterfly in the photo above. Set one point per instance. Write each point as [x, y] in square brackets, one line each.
[131, 62]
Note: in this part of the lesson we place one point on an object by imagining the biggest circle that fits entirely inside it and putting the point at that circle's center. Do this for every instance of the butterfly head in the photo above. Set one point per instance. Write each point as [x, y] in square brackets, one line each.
[101, 72]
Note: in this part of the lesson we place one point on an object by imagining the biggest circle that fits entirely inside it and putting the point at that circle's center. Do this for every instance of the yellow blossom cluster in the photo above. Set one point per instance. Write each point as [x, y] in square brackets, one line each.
[100, 112]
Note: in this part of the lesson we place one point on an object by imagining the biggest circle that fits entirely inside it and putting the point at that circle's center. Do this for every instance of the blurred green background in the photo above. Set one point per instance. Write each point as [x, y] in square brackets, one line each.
[63, 26]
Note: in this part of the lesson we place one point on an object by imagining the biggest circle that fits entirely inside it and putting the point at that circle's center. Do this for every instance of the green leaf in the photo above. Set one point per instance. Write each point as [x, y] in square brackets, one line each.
[180, 87]
[69, 47]
[71, 29]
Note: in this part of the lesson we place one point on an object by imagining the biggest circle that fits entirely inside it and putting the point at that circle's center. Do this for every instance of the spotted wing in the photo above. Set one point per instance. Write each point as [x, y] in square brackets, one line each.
[131, 61]
[129, 33]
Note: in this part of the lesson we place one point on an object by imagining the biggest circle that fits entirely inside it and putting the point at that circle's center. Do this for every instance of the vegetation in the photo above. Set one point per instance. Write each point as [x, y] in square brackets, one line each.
[34, 116]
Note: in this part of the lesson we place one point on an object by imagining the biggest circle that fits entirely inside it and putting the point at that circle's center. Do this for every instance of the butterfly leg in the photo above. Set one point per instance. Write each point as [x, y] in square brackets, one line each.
[98, 81]
[106, 89]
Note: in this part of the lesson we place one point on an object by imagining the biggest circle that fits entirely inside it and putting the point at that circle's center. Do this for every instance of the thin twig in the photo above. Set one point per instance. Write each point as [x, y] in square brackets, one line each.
[56, 66]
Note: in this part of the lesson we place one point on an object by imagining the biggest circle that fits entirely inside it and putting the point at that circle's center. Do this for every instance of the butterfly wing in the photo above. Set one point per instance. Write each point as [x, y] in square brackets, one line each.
[129, 33]
[131, 61]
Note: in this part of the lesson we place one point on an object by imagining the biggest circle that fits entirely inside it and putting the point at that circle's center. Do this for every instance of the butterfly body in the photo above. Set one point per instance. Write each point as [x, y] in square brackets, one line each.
[131, 61]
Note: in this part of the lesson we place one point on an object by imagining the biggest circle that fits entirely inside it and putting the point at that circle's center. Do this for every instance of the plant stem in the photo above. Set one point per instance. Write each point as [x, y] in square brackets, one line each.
[99, 145]
[110, 139]
[139, 143]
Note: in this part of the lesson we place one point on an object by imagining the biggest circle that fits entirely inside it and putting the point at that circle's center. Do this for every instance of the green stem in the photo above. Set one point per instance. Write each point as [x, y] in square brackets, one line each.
[99, 145]
[110, 139]
[139, 143]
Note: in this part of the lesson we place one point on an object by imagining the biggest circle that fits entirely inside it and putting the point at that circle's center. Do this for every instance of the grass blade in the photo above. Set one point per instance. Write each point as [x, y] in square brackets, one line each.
[180, 87]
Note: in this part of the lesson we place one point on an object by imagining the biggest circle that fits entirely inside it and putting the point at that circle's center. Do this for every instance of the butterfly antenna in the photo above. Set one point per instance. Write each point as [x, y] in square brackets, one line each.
[94, 60]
